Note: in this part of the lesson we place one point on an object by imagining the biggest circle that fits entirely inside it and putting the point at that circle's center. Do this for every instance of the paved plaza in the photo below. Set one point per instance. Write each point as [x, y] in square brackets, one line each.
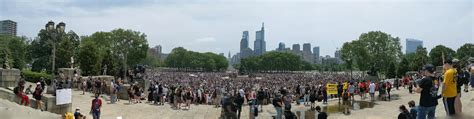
[380, 109]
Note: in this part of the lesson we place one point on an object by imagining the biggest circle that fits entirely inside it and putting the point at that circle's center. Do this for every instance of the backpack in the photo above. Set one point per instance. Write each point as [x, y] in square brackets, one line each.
[16, 90]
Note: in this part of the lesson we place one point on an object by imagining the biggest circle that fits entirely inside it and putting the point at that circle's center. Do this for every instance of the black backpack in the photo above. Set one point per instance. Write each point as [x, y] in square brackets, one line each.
[16, 90]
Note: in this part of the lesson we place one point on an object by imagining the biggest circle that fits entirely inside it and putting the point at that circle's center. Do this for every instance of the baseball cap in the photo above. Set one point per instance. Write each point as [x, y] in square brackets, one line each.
[429, 68]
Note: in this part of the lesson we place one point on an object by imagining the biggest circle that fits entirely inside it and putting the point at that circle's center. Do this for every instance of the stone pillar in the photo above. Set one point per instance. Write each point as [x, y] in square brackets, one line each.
[9, 77]
[123, 94]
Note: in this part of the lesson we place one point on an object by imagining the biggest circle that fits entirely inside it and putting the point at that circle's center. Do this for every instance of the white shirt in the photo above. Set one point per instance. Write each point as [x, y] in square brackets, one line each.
[372, 88]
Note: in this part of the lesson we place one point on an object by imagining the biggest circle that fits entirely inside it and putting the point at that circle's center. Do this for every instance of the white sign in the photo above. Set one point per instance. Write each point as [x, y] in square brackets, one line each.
[63, 96]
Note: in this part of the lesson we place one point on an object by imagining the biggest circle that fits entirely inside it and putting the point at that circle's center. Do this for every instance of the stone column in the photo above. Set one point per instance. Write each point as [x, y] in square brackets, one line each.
[9, 77]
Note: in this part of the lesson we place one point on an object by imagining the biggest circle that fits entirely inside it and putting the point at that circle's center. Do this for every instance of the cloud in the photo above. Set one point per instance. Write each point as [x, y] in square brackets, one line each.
[205, 39]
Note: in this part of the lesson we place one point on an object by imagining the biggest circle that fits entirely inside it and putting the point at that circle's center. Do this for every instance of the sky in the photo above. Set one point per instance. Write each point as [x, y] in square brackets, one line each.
[217, 25]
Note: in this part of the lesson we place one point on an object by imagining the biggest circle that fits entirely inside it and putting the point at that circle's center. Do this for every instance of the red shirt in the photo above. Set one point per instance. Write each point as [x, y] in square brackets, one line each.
[98, 103]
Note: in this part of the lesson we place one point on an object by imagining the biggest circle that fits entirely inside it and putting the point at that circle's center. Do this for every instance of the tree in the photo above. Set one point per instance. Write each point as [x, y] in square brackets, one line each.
[373, 50]
[392, 72]
[437, 52]
[67, 49]
[89, 58]
[115, 50]
[403, 67]
[465, 52]
[16, 49]
[188, 60]
[419, 59]
[67, 44]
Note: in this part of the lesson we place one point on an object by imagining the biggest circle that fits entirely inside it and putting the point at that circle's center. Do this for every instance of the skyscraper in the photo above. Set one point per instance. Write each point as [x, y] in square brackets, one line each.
[307, 47]
[412, 44]
[8, 27]
[307, 55]
[317, 59]
[316, 51]
[338, 56]
[158, 50]
[259, 44]
[244, 42]
[296, 48]
[245, 51]
[281, 46]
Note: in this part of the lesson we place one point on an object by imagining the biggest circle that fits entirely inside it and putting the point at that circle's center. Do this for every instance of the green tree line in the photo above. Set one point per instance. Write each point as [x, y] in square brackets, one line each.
[183, 59]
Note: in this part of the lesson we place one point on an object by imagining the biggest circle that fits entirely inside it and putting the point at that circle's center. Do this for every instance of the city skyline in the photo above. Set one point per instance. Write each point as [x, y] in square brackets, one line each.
[215, 26]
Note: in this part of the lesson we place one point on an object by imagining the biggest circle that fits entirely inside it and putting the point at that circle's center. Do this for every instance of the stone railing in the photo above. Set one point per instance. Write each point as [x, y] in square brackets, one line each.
[48, 100]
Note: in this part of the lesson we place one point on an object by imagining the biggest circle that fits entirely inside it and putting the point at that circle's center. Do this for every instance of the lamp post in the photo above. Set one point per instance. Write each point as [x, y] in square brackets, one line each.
[53, 33]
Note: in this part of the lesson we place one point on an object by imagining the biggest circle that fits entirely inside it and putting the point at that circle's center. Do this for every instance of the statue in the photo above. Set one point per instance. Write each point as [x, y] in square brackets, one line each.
[5, 64]
[105, 70]
[72, 62]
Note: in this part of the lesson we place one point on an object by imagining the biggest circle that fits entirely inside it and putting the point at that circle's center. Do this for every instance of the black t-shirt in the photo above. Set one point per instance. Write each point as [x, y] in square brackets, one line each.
[275, 102]
[429, 92]
[404, 115]
[322, 115]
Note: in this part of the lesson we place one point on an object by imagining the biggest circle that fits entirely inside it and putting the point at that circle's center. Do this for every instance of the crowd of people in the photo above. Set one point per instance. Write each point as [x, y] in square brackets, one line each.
[181, 89]
[233, 93]
[433, 86]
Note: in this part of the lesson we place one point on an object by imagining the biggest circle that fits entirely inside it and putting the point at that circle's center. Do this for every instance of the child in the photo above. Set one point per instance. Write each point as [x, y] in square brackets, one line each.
[28, 90]
[321, 115]
[413, 109]
[404, 114]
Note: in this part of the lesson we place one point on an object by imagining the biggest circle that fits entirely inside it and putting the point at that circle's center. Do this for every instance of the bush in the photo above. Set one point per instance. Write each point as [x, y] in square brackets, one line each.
[34, 77]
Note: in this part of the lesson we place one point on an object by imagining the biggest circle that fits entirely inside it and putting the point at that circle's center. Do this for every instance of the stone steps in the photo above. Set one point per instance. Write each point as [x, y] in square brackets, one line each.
[12, 110]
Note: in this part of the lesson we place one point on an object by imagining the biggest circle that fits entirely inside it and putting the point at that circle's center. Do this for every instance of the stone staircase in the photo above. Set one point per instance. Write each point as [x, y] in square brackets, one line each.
[11, 110]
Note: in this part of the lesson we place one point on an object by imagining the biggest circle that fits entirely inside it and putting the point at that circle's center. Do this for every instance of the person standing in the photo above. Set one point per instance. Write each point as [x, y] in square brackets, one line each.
[372, 91]
[388, 85]
[95, 107]
[428, 89]
[239, 101]
[352, 89]
[449, 92]
[278, 104]
[37, 95]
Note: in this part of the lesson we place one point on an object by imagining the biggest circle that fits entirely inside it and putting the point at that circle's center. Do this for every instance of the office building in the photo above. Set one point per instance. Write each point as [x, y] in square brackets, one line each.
[296, 48]
[412, 45]
[307, 47]
[158, 50]
[281, 46]
[259, 44]
[245, 51]
[317, 60]
[8, 27]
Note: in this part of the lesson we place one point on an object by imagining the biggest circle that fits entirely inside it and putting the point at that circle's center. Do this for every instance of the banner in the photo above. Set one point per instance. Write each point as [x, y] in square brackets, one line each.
[63, 96]
[331, 88]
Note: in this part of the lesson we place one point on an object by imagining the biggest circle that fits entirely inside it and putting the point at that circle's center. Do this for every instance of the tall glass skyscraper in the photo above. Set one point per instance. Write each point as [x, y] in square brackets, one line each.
[412, 44]
[259, 44]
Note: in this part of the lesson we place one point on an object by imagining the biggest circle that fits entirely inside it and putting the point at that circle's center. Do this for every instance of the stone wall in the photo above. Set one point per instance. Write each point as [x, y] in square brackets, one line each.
[9, 77]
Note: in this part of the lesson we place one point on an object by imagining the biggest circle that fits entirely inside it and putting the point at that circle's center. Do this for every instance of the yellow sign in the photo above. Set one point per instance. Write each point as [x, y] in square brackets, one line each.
[331, 88]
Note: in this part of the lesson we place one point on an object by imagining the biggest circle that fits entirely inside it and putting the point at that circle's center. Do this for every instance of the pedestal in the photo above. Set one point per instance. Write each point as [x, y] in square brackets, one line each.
[9, 77]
